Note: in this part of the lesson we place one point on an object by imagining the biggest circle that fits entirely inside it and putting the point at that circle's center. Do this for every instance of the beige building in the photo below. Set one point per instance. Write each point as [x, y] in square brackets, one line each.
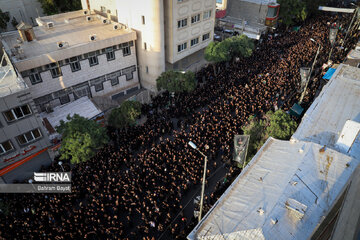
[171, 34]
[73, 55]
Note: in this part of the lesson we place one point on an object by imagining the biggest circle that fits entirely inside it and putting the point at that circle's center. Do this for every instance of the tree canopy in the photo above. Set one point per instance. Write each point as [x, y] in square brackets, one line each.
[278, 125]
[175, 81]
[51, 7]
[292, 11]
[125, 115]
[4, 19]
[80, 138]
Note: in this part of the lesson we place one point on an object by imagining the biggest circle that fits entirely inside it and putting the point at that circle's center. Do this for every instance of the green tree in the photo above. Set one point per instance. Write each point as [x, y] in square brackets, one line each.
[14, 22]
[80, 138]
[125, 115]
[278, 125]
[51, 7]
[4, 19]
[174, 81]
[217, 52]
[292, 11]
[240, 46]
[230, 48]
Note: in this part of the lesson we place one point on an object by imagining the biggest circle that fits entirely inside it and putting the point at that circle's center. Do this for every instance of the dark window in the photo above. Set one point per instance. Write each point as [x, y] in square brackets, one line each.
[6, 147]
[99, 87]
[114, 81]
[34, 76]
[206, 36]
[29, 136]
[17, 113]
[55, 70]
[182, 23]
[126, 51]
[93, 60]
[110, 55]
[75, 64]
[64, 99]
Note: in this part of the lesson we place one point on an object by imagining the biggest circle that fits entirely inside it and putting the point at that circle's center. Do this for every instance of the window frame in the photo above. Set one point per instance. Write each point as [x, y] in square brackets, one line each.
[93, 55]
[55, 70]
[34, 72]
[2, 148]
[16, 118]
[31, 132]
[74, 61]
[182, 23]
[205, 13]
[207, 37]
[110, 51]
[195, 17]
[183, 46]
[126, 51]
[191, 42]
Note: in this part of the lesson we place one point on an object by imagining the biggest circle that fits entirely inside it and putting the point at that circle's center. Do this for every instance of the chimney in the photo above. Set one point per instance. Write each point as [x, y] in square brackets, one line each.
[26, 32]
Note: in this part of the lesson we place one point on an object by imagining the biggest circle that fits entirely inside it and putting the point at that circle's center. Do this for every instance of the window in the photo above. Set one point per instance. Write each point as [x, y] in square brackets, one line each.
[35, 76]
[207, 14]
[182, 23]
[126, 51]
[145, 45]
[99, 87]
[194, 41]
[17, 113]
[64, 99]
[143, 20]
[206, 36]
[110, 55]
[93, 60]
[29, 136]
[55, 70]
[75, 64]
[147, 69]
[6, 147]
[182, 47]
[114, 81]
[195, 19]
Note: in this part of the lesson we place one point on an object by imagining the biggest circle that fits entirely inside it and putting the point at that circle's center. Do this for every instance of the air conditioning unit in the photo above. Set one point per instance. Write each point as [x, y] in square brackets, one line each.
[106, 21]
[86, 12]
[117, 27]
[50, 24]
[92, 37]
[62, 44]
[89, 19]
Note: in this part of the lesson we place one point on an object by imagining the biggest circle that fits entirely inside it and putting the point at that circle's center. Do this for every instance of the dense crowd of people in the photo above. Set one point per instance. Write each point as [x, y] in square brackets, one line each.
[132, 188]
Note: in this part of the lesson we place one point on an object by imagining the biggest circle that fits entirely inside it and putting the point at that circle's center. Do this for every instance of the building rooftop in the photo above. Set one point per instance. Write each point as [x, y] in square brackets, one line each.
[10, 82]
[82, 106]
[73, 29]
[337, 103]
[283, 193]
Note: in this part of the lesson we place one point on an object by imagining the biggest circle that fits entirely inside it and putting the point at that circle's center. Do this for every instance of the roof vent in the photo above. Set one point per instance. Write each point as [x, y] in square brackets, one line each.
[86, 12]
[50, 24]
[106, 21]
[92, 37]
[261, 211]
[117, 27]
[62, 45]
[296, 208]
[89, 19]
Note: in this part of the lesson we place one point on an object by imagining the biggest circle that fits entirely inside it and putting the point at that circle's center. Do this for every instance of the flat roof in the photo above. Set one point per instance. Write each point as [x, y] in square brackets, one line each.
[283, 193]
[338, 102]
[74, 30]
[9, 82]
[82, 106]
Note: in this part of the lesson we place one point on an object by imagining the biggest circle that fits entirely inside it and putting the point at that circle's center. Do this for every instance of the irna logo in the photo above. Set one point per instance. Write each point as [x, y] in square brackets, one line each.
[52, 177]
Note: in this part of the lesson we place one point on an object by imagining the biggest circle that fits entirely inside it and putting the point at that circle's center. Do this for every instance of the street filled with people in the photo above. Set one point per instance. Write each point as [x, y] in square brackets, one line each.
[133, 187]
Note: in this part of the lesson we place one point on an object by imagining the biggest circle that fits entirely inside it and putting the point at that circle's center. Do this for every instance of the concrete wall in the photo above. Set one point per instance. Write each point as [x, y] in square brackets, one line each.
[151, 61]
[22, 10]
[69, 78]
[175, 11]
[9, 131]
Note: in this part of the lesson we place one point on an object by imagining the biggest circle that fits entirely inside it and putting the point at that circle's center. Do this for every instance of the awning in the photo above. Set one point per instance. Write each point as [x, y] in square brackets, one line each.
[329, 73]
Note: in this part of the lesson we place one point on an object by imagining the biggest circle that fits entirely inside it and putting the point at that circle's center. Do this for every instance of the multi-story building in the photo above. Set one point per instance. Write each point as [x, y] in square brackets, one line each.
[171, 34]
[22, 135]
[72, 55]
